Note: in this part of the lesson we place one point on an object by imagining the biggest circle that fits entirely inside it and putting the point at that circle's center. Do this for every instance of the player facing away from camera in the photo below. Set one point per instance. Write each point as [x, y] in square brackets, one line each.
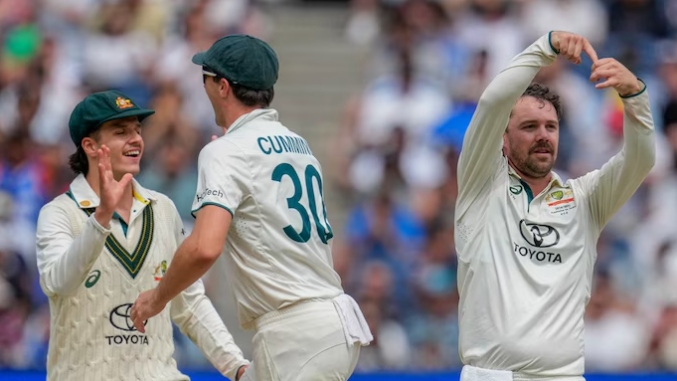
[103, 242]
[259, 193]
[526, 240]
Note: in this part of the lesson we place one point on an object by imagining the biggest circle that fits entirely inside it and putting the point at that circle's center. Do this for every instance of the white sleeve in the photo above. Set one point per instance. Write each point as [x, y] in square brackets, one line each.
[197, 318]
[607, 189]
[222, 176]
[481, 153]
[64, 260]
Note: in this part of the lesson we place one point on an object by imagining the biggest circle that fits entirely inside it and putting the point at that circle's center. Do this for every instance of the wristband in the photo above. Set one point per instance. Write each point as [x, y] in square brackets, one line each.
[635, 94]
[550, 42]
[237, 372]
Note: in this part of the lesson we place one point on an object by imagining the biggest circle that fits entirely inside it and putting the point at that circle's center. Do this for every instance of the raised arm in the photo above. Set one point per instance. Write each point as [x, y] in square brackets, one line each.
[63, 259]
[612, 186]
[481, 154]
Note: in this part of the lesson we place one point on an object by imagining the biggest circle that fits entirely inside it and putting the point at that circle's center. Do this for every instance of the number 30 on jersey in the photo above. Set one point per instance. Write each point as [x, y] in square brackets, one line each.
[323, 228]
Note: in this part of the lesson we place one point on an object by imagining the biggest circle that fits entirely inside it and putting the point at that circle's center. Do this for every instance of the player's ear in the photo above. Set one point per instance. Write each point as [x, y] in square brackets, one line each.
[505, 142]
[90, 146]
[224, 88]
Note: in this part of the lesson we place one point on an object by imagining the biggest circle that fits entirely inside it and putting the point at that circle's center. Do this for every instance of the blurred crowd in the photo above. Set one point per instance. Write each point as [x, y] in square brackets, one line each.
[393, 163]
[397, 157]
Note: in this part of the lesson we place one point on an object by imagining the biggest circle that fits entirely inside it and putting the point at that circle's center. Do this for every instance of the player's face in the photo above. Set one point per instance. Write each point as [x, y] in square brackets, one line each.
[123, 138]
[214, 90]
[532, 137]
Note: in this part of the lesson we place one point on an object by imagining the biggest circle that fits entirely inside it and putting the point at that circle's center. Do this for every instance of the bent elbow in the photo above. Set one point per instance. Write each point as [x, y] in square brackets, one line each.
[53, 286]
[649, 158]
[207, 253]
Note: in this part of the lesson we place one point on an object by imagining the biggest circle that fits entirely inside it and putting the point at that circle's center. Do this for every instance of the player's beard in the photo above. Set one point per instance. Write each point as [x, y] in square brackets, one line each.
[530, 165]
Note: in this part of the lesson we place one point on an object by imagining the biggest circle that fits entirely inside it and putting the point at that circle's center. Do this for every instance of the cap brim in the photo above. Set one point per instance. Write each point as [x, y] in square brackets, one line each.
[199, 58]
[141, 113]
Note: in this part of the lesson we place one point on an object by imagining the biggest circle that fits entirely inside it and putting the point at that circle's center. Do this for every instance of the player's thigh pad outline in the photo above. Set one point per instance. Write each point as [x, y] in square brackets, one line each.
[306, 345]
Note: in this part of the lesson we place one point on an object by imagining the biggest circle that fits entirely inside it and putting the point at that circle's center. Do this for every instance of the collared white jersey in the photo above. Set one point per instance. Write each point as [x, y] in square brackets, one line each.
[279, 243]
[526, 261]
[93, 275]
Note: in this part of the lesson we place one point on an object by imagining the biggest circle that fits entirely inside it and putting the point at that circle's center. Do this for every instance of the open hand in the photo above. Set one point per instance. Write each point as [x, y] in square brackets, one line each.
[571, 45]
[616, 75]
[111, 190]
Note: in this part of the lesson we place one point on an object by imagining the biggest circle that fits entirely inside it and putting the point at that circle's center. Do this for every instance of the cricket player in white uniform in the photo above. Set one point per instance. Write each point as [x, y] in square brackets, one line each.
[526, 240]
[101, 244]
[260, 193]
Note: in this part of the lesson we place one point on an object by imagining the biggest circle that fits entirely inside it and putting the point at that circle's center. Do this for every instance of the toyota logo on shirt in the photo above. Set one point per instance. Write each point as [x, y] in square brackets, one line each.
[120, 318]
[539, 235]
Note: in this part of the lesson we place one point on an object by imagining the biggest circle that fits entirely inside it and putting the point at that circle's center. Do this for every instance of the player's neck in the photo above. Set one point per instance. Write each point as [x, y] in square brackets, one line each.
[234, 113]
[537, 184]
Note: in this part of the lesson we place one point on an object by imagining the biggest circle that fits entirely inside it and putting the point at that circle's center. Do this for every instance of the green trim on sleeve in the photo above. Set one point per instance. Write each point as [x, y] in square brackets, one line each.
[550, 42]
[192, 213]
[636, 94]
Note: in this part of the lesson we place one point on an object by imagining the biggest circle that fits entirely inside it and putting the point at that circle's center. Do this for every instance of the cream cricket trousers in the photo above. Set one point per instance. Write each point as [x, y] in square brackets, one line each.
[303, 342]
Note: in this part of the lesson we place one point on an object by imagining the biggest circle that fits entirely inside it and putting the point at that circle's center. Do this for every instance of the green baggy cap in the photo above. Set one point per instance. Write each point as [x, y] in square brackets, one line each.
[99, 108]
[242, 59]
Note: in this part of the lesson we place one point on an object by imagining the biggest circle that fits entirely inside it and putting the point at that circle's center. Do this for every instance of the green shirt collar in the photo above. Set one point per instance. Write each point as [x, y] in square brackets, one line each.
[86, 198]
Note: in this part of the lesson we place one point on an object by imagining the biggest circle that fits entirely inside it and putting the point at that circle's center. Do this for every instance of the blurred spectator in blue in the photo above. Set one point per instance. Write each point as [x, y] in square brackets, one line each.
[433, 328]
[22, 177]
[15, 303]
[635, 29]
[377, 283]
[384, 230]
[390, 349]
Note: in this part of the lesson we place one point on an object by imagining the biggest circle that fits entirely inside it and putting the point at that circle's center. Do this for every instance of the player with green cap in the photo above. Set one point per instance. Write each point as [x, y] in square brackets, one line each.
[259, 194]
[103, 242]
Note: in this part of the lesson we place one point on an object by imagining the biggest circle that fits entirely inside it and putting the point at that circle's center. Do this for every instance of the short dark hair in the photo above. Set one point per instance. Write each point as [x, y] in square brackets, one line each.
[78, 161]
[248, 96]
[544, 94]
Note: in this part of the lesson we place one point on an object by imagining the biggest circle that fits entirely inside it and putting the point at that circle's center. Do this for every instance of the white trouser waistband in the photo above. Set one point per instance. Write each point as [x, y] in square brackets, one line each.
[354, 324]
[472, 373]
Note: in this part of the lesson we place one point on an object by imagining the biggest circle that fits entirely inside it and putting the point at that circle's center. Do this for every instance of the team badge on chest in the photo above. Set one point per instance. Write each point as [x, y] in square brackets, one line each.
[560, 202]
[160, 271]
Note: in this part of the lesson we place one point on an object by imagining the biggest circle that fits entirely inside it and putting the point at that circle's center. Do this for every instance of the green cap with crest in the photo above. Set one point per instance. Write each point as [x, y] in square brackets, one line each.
[243, 60]
[99, 108]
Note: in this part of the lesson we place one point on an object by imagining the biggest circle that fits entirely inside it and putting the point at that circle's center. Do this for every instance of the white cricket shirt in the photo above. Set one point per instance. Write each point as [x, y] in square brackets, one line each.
[526, 261]
[93, 276]
[279, 243]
